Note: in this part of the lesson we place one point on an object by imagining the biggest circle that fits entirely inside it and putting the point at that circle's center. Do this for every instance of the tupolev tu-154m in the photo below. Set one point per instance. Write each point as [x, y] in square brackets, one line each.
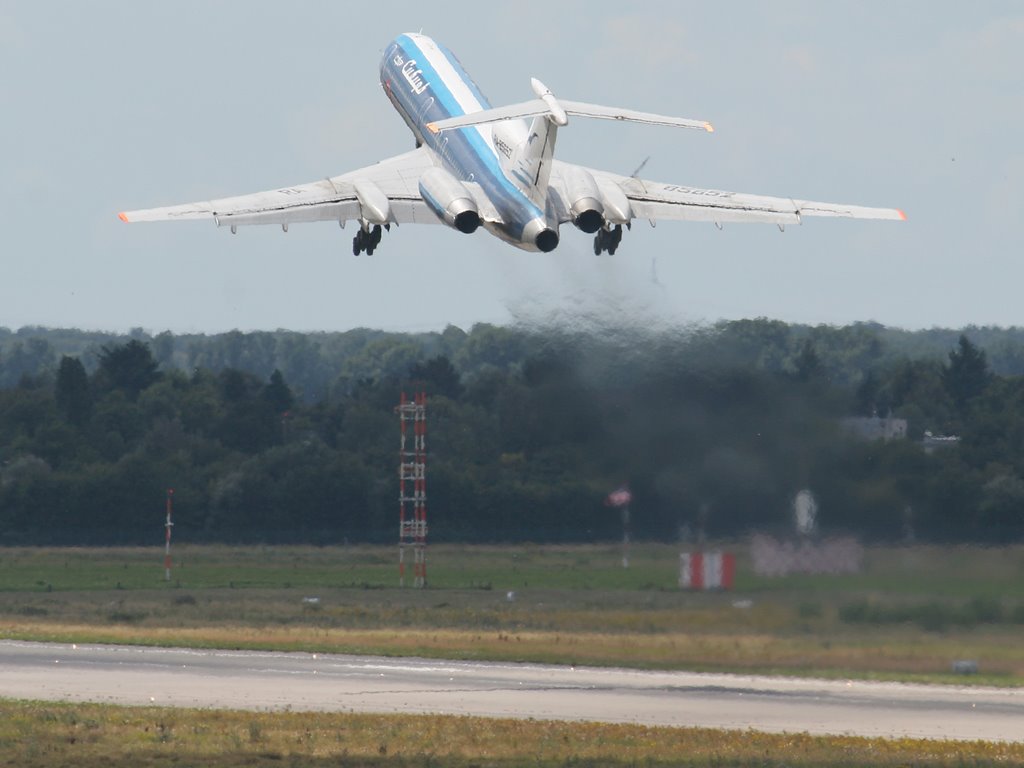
[475, 166]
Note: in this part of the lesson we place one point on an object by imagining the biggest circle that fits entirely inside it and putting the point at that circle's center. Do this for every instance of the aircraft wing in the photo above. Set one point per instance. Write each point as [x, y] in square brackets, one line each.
[657, 201]
[333, 199]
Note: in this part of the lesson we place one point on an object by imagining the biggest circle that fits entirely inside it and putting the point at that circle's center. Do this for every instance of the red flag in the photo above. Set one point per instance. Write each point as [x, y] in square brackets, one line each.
[619, 497]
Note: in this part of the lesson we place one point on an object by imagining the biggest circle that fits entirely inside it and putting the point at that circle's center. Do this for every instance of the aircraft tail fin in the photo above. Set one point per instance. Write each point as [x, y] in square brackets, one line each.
[532, 160]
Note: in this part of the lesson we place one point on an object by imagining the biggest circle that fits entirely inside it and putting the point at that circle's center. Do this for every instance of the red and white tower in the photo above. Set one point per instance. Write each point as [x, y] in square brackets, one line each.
[412, 470]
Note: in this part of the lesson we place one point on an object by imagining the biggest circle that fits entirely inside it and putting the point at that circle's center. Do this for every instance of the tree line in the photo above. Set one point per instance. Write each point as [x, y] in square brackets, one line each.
[286, 437]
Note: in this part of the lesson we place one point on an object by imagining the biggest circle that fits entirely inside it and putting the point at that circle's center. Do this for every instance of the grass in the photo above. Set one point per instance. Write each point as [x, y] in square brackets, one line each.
[907, 616]
[41, 735]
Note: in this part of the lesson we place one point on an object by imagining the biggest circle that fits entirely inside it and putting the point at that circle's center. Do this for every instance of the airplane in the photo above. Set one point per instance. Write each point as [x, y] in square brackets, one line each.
[479, 166]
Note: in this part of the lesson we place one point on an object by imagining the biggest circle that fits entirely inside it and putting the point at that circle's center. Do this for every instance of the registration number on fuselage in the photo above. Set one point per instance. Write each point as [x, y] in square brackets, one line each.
[692, 191]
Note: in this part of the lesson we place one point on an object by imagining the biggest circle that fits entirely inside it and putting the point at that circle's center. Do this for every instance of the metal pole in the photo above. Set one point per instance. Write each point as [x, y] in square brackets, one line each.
[625, 536]
[401, 495]
[167, 547]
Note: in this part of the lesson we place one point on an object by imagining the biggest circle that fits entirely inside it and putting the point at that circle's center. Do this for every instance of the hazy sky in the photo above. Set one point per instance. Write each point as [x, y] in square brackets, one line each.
[108, 106]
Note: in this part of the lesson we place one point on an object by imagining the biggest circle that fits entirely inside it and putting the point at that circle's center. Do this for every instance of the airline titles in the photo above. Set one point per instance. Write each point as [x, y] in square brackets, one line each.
[412, 75]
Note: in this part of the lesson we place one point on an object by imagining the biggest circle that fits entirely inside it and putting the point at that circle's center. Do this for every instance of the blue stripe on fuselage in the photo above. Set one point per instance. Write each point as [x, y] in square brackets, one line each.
[463, 151]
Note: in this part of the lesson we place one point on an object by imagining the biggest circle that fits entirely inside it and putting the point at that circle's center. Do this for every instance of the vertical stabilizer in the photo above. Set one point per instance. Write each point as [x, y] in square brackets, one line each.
[533, 160]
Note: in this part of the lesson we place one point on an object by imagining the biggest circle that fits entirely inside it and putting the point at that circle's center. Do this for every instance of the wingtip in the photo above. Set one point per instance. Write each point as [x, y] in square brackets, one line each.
[903, 216]
[432, 127]
[709, 127]
[123, 217]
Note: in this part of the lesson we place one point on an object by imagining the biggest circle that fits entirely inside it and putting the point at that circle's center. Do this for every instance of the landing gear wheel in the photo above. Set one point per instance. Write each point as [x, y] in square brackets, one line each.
[366, 240]
[607, 240]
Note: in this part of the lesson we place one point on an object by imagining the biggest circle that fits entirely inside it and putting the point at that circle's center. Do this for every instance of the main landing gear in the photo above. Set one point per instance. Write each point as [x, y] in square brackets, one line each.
[607, 240]
[367, 240]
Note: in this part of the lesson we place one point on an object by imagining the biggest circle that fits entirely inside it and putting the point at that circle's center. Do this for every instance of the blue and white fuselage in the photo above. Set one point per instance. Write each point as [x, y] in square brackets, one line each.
[427, 84]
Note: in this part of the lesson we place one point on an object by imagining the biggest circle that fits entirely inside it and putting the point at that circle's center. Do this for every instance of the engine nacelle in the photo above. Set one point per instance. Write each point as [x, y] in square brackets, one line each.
[617, 209]
[585, 205]
[374, 205]
[449, 199]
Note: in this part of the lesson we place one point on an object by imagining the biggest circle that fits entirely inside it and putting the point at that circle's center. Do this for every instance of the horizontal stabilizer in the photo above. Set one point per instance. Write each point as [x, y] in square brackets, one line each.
[536, 107]
[630, 115]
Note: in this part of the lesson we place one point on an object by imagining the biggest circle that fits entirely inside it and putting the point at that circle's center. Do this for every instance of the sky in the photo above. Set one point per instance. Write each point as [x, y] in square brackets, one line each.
[108, 106]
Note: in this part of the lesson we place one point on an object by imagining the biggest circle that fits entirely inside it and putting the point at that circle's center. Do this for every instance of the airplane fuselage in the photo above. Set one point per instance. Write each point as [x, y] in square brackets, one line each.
[426, 83]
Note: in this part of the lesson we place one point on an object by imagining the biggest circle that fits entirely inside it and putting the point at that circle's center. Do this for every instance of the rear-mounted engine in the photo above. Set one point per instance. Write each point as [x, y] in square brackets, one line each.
[449, 199]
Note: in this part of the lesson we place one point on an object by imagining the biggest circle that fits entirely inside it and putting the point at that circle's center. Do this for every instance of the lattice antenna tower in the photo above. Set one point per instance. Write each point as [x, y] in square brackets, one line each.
[412, 475]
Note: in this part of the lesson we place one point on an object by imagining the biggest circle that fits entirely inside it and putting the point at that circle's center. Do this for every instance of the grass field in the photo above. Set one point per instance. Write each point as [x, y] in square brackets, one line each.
[44, 735]
[907, 616]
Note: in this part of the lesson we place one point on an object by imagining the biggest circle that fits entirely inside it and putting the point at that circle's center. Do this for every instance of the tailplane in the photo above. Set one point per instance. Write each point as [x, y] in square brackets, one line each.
[528, 159]
[558, 111]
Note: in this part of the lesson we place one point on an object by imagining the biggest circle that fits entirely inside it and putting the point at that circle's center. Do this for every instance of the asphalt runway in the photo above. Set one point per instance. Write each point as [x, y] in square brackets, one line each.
[327, 682]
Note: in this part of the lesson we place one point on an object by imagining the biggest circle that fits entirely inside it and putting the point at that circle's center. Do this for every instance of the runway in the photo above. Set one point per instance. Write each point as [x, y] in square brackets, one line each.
[326, 682]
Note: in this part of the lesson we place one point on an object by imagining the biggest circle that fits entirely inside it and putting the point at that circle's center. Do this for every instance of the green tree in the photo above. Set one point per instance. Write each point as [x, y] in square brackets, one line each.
[25, 360]
[967, 374]
[71, 391]
[807, 363]
[438, 377]
[277, 394]
[129, 367]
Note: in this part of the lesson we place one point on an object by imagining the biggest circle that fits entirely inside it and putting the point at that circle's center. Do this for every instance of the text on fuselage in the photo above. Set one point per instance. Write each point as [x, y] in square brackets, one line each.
[412, 75]
[502, 147]
[691, 191]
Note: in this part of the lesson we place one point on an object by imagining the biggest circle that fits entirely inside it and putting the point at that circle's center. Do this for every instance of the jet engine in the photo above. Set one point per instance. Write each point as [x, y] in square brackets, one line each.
[584, 198]
[449, 199]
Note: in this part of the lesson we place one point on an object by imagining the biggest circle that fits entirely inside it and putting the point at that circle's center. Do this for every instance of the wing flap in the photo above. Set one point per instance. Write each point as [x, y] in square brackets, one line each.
[298, 203]
[704, 210]
[809, 208]
[331, 199]
[344, 210]
[657, 201]
[202, 210]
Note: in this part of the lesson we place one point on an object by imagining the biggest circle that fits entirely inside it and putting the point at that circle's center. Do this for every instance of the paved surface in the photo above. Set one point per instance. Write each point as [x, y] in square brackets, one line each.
[306, 682]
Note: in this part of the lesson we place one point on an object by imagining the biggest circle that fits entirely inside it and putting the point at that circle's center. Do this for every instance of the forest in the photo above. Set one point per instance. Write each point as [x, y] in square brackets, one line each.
[287, 437]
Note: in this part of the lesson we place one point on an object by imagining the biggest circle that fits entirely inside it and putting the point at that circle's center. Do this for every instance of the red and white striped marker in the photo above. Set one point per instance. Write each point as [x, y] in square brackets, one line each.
[706, 570]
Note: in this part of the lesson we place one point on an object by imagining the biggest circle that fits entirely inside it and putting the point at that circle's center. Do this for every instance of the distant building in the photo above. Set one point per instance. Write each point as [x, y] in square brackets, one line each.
[875, 427]
[932, 442]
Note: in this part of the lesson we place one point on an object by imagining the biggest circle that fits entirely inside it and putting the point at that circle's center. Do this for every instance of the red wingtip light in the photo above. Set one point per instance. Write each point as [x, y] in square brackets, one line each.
[123, 217]
[903, 216]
